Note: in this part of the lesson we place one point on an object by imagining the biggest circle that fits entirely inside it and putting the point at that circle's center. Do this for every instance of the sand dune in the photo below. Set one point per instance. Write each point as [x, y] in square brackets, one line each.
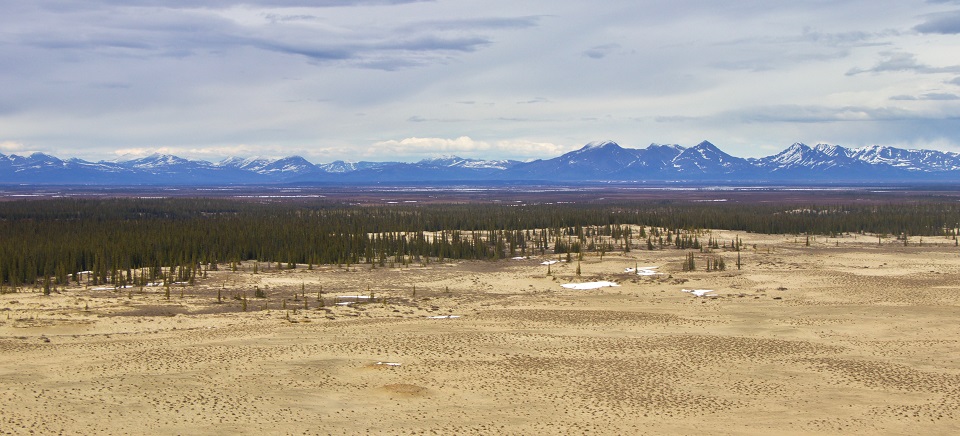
[842, 337]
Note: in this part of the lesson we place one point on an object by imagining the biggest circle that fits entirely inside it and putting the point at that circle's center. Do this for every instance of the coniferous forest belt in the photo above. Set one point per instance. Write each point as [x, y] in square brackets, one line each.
[135, 240]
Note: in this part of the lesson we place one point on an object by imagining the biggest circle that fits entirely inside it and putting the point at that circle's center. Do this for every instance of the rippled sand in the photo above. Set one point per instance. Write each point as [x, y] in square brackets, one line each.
[844, 336]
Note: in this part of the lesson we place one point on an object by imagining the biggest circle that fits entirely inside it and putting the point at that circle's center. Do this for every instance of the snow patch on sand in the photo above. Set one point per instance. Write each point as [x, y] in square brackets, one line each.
[645, 271]
[111, 288]
[698, 292]
[589, 285]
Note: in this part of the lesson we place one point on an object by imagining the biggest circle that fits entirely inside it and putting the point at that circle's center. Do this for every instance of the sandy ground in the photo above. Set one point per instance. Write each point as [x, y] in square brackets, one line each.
[842, 336]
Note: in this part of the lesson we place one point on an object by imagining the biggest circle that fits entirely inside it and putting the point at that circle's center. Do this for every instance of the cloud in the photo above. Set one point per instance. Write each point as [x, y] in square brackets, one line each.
[432, 145]
[385, 52]
[466, 146]
[435, 42]
[279, 18]
[752, 65]
[939, 96]
[943, 23]
[825, 114]
[601, 51]
[811, 35]
[127, 32]
[11, 147]
[209, 153]
[854, 38]
[931, 96]
[770, 50]
[676, 119]
[143, 151]
[419, 119]
[461, 25]
[223, 4]
[315, 52]
[535, 100]
[903, 62]
[179, 31]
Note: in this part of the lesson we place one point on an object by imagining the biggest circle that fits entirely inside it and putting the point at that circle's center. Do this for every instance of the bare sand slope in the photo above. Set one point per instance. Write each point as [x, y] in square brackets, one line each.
[843, 336]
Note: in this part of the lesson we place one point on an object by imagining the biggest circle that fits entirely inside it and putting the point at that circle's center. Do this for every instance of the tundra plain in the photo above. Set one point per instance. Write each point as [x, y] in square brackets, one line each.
[845, 335]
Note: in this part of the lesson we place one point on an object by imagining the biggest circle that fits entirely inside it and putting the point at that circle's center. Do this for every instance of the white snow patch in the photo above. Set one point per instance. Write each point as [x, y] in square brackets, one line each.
[443, 317]
[388, 363]
[645, 271]
[589, 285]
[698, 292]
[549, 262]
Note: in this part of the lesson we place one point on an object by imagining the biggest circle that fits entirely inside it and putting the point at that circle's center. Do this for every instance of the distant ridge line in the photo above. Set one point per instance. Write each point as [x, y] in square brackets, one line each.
[599, 161]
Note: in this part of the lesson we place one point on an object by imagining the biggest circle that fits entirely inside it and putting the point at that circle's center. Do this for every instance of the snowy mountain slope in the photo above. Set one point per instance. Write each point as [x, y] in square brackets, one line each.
[459, 162]
[821, 160]
[706, 159]
[909, 160]
[339, 166]
[834, 162]
[594, 161]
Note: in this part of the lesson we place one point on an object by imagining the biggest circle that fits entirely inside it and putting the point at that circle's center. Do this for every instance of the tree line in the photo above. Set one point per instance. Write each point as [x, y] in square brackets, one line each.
[131, 240]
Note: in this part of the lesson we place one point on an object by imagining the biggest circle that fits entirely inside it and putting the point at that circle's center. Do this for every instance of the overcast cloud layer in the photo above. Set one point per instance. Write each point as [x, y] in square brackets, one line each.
[404, 80]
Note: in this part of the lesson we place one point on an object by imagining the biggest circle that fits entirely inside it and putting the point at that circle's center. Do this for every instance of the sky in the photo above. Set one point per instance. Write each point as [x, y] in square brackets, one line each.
[383, 80]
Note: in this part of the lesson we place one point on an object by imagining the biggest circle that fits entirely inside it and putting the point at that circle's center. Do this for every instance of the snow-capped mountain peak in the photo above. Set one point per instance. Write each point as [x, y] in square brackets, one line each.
[662, 147]
[832, 150]
[36, 161]
[794, 154]
[158, 160]
[798, 147]
[291, 163]
[600, 144]
[706, 158]
[339, 166]
[250, 163]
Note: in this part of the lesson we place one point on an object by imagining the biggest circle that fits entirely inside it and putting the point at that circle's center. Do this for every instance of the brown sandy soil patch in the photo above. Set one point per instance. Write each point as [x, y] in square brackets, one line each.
[842, 336]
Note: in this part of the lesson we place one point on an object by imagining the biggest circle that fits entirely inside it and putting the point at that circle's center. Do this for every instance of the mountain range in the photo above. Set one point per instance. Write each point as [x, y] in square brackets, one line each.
[603, 161]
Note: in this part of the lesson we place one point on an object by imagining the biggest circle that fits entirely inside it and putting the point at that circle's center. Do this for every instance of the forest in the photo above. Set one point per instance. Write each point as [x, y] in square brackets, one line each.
[132, 241]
